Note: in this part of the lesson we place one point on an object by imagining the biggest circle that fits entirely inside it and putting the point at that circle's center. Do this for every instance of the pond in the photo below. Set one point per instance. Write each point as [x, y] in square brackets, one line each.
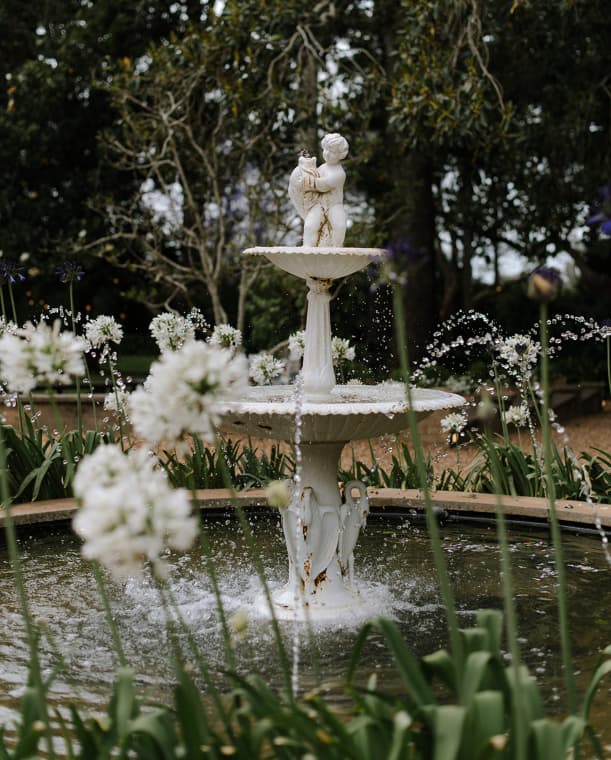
[393, 562]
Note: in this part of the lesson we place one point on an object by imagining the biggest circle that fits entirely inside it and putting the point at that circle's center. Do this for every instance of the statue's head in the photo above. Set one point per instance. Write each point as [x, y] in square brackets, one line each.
[335, 146]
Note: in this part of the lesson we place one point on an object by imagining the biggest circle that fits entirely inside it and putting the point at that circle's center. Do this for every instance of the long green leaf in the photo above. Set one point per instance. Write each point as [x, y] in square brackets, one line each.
[448, 721]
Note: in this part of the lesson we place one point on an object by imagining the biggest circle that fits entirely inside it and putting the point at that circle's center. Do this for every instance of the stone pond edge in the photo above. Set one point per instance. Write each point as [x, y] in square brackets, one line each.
[571, 513]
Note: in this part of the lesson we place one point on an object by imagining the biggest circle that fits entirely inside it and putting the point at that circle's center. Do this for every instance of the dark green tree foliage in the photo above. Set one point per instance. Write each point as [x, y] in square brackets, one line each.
[511, 101]
[477, 129]
[51, 116]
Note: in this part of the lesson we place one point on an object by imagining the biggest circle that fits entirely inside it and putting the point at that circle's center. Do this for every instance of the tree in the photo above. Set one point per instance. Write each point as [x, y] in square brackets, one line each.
[511, 103]
[51, 115]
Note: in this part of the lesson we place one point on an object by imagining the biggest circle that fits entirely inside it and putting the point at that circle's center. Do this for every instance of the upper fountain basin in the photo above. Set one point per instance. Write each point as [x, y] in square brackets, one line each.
[350, 412]
[319, 263]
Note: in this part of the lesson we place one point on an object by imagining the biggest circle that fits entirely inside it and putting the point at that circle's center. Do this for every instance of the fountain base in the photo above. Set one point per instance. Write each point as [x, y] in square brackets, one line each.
[348, 607]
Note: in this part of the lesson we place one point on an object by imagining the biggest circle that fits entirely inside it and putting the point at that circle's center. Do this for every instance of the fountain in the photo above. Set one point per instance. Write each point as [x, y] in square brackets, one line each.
[321, 526]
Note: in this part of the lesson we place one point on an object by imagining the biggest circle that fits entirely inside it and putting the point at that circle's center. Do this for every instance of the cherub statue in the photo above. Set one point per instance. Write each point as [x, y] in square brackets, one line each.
[318, 194]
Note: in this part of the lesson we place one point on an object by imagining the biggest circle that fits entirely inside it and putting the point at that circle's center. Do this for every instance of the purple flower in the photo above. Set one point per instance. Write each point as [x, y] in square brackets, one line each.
[10, 271]
[544, 284]
[601, 212]
[69, 271]
[394, 266]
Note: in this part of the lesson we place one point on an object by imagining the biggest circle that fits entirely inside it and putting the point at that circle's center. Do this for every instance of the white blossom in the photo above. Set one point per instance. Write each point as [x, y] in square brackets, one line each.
[226, 336]
[171, 331]
[40, 355]
[184, 393]
[117, 402]
[6, 326]
[341, 350]
[264, 368]
[278, 494]
[455, 422]
[102, 330]
[517, 415]
[296, 345]
[128, 511]
[519, 354]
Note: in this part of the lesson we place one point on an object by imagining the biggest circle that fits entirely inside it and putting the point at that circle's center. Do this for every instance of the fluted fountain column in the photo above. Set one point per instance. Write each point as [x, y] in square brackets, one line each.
[318, 374]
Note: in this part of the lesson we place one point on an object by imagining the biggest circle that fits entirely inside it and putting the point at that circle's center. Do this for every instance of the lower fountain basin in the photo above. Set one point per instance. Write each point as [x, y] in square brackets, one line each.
[348, 412]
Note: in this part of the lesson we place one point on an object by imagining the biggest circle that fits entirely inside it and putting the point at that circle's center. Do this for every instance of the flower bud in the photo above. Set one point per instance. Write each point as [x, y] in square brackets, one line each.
[544, 284]
[278, 494]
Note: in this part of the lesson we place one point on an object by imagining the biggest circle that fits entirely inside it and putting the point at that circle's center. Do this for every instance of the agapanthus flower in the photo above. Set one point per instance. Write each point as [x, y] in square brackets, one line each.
[544, 284]
[226, 336]
[341, 350]
[117, 402]
[601, 212]
[7, 326]
[519, 354]
[128, 512]
[517, 415]
[10, 271]
[401, 256]
[263, 368]
[605, 328]
[40, 356]
[103, 330]
[171, 331]
[185, 391]
[455, 422]
[296, 345]
[70, 271]
[278, 494]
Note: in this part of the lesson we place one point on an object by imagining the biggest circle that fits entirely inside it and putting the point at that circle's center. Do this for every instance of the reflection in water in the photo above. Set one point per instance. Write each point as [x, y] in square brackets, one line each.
[393, 562]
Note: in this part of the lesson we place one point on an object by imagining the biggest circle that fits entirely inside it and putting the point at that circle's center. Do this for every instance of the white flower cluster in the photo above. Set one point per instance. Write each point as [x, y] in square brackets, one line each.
[455, 422]
[263, 368]
[517, 415]
[6, 326]
[102, 330]
[117, 402]
[40, 355]
[184, 393]
[296, 345]
[519, 354]
[129, 513]
[341, 350]
[226, 336]
[171, 331]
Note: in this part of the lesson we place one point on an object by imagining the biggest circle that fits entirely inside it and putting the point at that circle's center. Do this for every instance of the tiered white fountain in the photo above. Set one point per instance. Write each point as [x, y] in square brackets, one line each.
[320, 525]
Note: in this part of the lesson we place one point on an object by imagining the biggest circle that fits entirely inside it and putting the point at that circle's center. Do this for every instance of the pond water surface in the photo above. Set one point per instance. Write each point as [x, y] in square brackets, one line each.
[393, 564]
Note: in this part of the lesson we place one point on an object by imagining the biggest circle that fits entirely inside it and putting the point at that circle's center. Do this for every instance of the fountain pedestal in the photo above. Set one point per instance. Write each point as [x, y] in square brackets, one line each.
[318, 374]
[321, 525]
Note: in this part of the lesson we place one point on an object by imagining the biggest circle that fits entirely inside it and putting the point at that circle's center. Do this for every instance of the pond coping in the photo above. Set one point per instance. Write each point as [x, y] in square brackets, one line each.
[571, 513]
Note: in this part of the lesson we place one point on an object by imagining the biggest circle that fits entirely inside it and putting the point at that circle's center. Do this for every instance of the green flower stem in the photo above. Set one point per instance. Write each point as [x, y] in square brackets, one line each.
[260, 570]
[114, 631]
[13, 307]
[456, 642]
[609, 363]
[2, 302]
[111, 369]
[31, 631]
[501, 402]
[211, 570]
[79, 407]
[567, 660]
[521, 728]
[201, 662]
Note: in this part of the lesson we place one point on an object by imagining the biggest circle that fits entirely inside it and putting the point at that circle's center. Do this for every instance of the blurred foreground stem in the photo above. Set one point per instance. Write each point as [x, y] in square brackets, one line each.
[567, 661]
[447, 596]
